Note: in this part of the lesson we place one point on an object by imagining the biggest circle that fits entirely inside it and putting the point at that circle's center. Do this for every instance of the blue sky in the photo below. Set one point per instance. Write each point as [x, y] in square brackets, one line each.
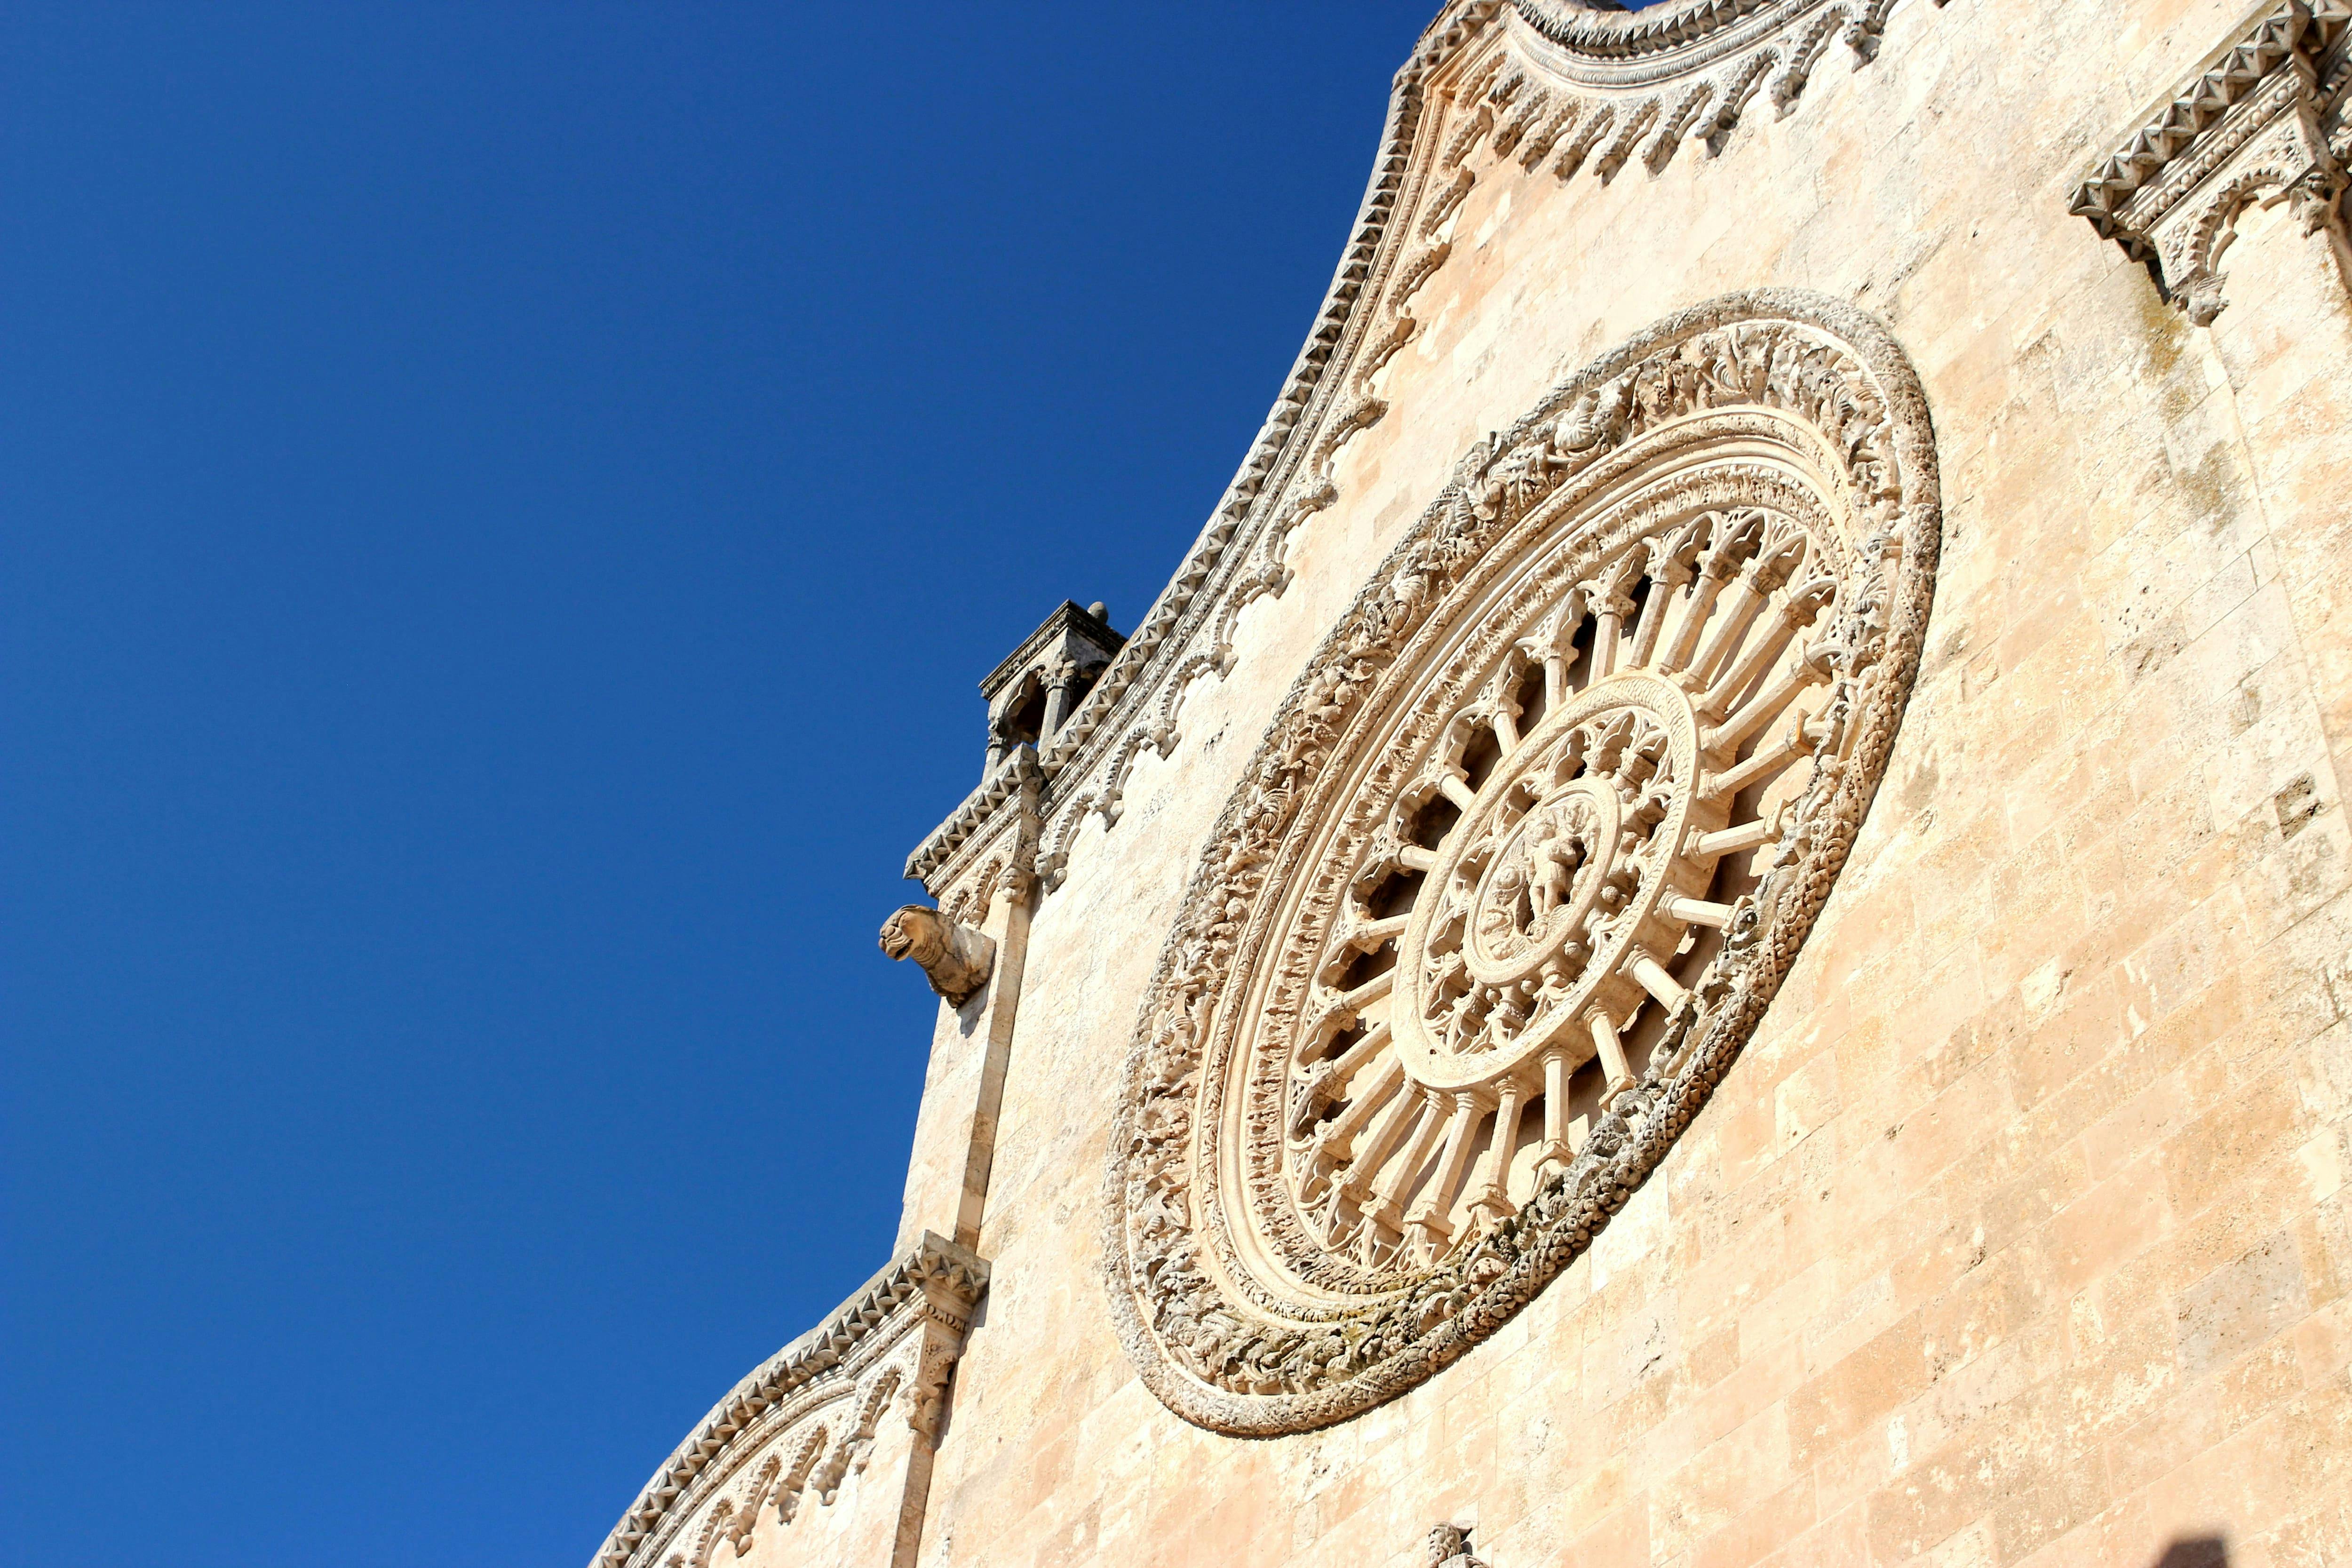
[505, 508]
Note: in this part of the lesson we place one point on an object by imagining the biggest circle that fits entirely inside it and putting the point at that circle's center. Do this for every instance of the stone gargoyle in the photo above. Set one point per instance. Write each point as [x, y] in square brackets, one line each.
[956, 958]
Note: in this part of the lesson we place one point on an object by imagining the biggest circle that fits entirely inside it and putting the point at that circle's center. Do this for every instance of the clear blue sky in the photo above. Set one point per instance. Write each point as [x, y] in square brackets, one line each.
[505, 508]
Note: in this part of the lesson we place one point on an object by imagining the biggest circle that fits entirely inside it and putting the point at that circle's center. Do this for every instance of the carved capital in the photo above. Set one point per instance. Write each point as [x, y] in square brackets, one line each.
[956, 958]
[927, 1396]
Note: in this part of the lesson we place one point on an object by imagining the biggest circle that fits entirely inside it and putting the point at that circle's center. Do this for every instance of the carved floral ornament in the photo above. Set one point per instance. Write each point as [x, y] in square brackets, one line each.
[1521, 862]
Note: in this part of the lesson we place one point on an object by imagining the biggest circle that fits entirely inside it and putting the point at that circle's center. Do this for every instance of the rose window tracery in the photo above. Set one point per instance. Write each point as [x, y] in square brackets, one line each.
[1559, 887]
[1521, 861]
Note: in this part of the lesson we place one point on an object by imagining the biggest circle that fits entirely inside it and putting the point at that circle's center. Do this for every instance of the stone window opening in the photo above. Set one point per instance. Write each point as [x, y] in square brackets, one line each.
[1034, 693]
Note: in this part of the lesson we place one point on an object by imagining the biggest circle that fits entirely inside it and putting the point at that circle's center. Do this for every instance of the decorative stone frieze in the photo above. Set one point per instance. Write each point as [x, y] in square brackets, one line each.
[790, 1434]
[1602, 86]
[2252, 126]
[990, 841]
[1521, 862]
[953, 957]
[1539, 84]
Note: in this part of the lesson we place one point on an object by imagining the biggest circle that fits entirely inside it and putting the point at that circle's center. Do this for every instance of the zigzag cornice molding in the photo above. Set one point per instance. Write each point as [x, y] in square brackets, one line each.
[934, 1279]
[951, 848]
[1544, 82]
[2261, 118]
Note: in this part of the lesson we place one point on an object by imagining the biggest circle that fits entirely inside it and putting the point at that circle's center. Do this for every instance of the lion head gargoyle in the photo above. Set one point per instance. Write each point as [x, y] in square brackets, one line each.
[956, 957]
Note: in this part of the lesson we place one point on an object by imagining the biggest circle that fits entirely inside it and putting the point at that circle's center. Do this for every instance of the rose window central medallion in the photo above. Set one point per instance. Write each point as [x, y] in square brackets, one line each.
[1522, 861]
[1554, 872]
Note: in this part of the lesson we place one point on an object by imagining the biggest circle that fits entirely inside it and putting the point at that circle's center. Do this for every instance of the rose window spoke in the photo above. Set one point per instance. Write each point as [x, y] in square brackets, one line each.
[1558, 907]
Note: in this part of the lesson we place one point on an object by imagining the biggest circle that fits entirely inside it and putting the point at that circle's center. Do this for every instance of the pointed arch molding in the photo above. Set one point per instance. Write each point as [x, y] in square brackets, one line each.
[1542, 85]
[1526, 854]
[794, 1430]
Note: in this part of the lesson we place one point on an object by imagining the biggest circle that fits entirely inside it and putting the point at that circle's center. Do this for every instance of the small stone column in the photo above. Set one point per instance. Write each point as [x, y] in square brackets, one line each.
[972, 1044]
[1062, 694]
[1034, 693]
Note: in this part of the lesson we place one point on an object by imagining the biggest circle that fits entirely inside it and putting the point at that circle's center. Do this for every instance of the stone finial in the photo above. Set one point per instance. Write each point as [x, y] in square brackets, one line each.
[956, 958]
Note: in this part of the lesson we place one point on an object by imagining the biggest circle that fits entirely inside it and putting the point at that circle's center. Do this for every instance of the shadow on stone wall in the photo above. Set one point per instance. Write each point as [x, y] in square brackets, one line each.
[2196, 1552]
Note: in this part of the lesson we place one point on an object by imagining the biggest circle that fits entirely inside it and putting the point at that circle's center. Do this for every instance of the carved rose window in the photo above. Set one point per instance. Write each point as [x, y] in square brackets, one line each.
[1521, 862]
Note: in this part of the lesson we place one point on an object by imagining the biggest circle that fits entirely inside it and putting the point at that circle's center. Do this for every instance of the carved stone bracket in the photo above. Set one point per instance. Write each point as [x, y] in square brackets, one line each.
[954, 957]
[2246, 128]
[943, 1342]
[807, 1419]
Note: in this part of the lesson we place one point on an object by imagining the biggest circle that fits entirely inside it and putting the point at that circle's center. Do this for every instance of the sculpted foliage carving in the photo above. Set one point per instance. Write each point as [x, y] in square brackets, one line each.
[1522, 859]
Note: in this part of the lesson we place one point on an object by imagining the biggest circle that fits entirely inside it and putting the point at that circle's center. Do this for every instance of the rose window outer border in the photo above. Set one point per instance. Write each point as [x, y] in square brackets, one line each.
[1618, 500]
[1304, 1365]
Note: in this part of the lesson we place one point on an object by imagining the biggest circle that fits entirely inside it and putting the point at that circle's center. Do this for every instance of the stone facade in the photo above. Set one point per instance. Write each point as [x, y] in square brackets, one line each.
[1711, 923]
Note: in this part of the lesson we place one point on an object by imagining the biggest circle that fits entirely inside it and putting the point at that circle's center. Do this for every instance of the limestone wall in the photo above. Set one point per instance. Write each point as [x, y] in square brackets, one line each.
[2016, 1233]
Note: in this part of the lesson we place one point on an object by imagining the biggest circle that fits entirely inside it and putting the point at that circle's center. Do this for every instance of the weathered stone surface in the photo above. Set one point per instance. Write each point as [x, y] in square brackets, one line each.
[2009, 1225]
[954, 958]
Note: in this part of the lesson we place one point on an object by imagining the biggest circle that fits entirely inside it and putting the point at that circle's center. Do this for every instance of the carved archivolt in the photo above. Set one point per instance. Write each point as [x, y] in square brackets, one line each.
[1523, 858]
[1604, 85]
